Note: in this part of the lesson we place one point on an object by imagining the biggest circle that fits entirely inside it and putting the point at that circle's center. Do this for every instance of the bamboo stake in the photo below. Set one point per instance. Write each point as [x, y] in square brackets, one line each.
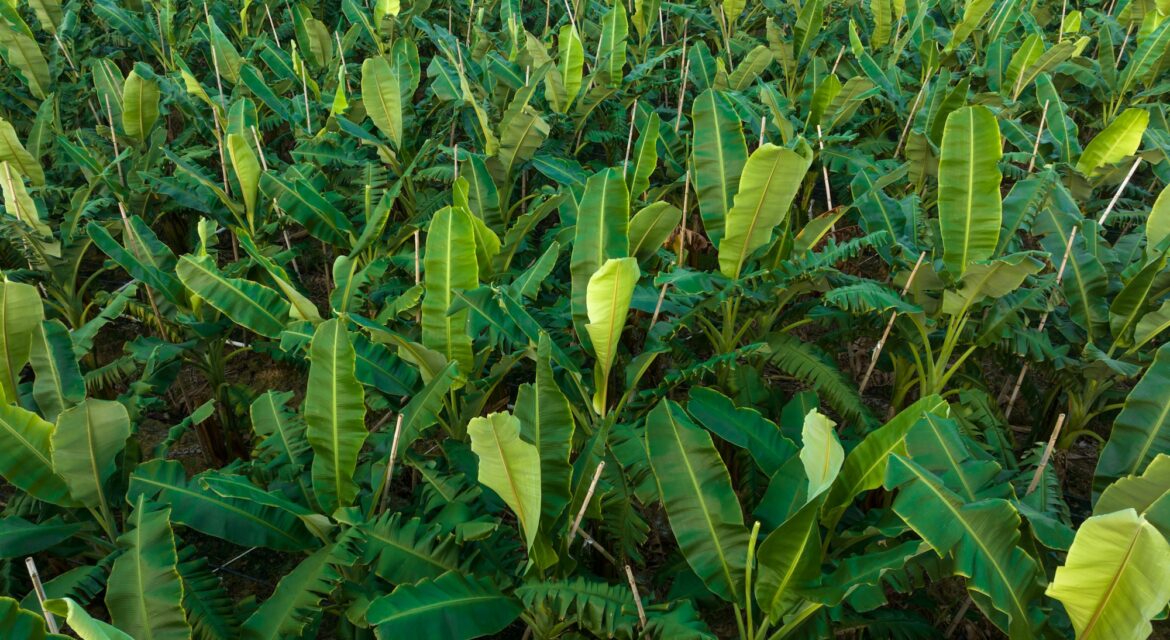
[272, 23]
[682, 232]
[877, 350]
[682, 93]
[657, 308]
[585, 502]
[390, 464]
[1039, 133]
[825, 169]
[909, 120]
[114, 141]
[637, 596]
[1060, 276]
[1045, 456]
[417, 270]
[630, 137]
[39, 588]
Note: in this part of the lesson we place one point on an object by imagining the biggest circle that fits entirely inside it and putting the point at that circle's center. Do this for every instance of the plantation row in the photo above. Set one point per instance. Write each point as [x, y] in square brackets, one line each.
[749, 320]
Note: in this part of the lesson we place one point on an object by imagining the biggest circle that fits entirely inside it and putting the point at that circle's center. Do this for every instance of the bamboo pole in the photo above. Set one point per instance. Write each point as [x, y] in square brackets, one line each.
[1045, 456]
[39, 589]
[877, 350]
[585, 503]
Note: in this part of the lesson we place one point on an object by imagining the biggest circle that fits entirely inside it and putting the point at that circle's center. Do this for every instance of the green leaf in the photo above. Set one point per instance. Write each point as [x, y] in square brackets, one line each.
[139, 106]
[249, 304]
[451, 606]
[382, 97]
[24, 56]
[450, 264]
[241, 522]
[145, 593]
[983, 538]
[335, 416]
[84, 625]
[1114, 580]
[650, 227]
[608, 302]
[1148, 494]
[14, 153]
[86, 443]
[611, 49]
[645, 158]
[602, 233]
[700, 503]
[296, 602]
[405, 551]
[717, 159]
[1158, 222]
[1142, 429]
[570, 64]
[969, 204]
[59, 383]
[21, 313]
[973, 13]
[1120, 139]
[510, 467]
[745, 427]
[25, 452]
[865, 466]
[790, 558]
[546, 420]
[771, 178]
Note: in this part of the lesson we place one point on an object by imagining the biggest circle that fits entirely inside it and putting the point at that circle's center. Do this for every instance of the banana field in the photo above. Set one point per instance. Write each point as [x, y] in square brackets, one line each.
[533, 319]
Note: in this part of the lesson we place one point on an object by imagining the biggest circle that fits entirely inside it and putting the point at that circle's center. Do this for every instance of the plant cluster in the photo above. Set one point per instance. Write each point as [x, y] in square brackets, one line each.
[769, 319]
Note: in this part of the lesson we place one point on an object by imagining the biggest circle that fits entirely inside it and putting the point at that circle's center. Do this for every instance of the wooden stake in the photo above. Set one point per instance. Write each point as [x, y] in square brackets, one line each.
[682, 232]
[272, 23]
[682, 90]
[1045, 456]
[585, 502]
[877, 350]
[825, 169]
[1117, 196]
[657, 308]
[1039, 133]
[39, 588]
[390, 464]
[114, 140]
[637, 596]
[1060, 275]
[909, 120]
[630, 137]
[417, 270]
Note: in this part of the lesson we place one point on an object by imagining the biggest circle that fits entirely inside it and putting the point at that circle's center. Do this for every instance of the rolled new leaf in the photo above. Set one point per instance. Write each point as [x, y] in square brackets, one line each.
[767, 188]
[970, 210]
[608, 301]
